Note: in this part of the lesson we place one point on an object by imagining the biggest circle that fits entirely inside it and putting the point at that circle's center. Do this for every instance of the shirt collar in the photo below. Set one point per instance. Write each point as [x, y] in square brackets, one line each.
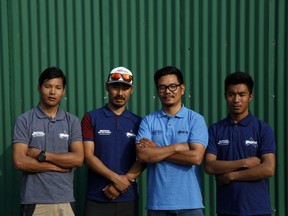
[40, 114]
[108, 112]
[244, 122]
[179, 114]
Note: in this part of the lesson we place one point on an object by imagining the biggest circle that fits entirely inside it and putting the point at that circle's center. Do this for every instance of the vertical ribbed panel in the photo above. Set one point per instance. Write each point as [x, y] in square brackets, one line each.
[206, 39]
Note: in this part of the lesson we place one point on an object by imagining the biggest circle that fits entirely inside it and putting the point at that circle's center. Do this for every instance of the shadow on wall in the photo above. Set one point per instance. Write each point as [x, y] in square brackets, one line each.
[80, 182]
[10, 179]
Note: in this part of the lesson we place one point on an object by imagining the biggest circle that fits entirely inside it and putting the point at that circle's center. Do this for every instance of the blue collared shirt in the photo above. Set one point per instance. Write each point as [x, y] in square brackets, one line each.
[173, 186]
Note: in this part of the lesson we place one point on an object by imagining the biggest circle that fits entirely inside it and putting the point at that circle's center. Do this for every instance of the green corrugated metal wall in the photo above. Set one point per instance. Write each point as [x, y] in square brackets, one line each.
[206, 39]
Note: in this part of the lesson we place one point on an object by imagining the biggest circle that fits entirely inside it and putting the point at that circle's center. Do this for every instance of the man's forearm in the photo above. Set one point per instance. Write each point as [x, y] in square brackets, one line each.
[214, 166]
[68, 159]
[155, 154]
[136, 170]
[189, 158]
[32, 165]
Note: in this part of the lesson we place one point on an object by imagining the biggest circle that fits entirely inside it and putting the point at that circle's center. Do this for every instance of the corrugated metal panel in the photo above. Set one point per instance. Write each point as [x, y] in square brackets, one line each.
[206, 39]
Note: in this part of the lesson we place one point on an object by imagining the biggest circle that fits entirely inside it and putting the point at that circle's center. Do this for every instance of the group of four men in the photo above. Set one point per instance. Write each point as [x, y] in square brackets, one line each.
[118, 145]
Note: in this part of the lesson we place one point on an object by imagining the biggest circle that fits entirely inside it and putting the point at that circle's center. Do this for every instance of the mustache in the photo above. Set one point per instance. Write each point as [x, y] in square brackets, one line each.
[119, 97]
[168, 96]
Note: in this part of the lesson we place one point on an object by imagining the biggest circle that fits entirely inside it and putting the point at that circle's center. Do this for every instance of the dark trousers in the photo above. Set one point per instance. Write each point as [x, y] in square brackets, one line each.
[236, 215]
[94, 208]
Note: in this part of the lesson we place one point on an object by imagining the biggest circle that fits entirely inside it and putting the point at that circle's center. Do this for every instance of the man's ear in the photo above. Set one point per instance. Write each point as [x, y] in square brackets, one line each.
[182, 89]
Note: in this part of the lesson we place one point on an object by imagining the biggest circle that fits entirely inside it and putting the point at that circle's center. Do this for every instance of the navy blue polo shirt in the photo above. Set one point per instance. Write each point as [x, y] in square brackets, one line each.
[114, 139]
[229, 141]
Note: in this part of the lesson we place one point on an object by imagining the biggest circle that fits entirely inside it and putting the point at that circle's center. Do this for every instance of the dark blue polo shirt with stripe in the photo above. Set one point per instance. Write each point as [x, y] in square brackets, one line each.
[114, 139]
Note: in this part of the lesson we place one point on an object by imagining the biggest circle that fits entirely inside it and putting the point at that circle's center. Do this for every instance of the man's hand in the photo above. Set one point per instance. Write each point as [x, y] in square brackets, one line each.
[122, 183]
[33, 152]
[251, 162]
[111, 192]
[142, 143]
[182, 147]
[61, 169]
[223, 179]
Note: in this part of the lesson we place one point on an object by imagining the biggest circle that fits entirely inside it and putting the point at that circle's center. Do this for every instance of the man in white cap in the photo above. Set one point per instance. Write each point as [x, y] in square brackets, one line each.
[109, 143]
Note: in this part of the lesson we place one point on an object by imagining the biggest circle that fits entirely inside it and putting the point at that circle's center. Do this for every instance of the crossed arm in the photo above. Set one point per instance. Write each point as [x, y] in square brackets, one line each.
[180, 153]
[248, 169]
[119, 183]
[25, 158]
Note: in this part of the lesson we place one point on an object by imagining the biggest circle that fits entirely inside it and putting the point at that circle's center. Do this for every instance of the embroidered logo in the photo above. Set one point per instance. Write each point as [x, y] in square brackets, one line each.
[251, 142]
[223, 142]
[182, 132]
[38, 134]
[157, 132]
[104, 132]
[130, 134]
[64, 135]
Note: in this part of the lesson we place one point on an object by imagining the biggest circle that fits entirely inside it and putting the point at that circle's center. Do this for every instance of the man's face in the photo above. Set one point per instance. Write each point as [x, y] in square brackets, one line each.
[238, 98]
[170, 91]
[119, 94]
[51, 92]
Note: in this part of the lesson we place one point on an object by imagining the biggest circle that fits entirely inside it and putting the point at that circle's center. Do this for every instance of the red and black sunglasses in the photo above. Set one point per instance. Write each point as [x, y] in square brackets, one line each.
[125, 77]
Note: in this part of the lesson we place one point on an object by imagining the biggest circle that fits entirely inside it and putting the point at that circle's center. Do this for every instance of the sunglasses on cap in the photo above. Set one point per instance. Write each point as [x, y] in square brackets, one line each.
[125, 77]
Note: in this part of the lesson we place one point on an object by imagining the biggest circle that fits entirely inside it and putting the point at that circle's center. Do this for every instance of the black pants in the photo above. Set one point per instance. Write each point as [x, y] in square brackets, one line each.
[94, 208]
[236, 215]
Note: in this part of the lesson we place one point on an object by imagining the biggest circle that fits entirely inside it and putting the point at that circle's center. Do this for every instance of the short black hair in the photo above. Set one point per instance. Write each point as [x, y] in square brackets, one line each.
[239, 77]
[51, 73]
[166, 71]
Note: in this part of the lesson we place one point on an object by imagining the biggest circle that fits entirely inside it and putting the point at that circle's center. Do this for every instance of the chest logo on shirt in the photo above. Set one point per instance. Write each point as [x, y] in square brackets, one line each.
[130, 134]
[104, 132]
[157, 132]
[38, 134]
[223, 142]
[64, 135]
[251, 142]
[182, 132]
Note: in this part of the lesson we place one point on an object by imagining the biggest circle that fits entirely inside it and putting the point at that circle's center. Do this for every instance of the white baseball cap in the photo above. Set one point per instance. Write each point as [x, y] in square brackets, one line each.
[120, 75]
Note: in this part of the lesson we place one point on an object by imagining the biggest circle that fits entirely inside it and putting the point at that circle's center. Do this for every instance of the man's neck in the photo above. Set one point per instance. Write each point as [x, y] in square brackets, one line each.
[49, 111]
[238, 118]
[173, 110]
[116, 110]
